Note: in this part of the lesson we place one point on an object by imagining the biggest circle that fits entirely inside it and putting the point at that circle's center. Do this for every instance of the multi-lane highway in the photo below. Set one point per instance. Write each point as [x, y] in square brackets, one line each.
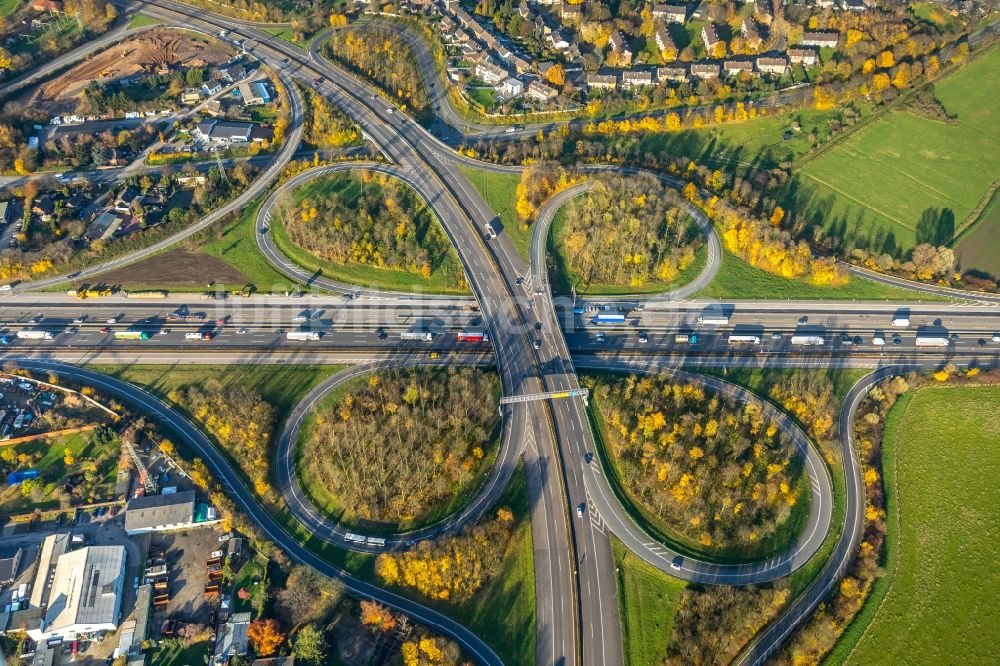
[535, 342]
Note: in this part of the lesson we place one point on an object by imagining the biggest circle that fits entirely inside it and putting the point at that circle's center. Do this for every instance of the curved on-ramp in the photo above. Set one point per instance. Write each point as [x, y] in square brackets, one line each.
[540, 233]
[236, 488]
[323, 527]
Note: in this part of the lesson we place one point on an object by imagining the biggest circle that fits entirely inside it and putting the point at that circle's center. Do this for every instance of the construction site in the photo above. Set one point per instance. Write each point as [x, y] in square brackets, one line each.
[159, 51]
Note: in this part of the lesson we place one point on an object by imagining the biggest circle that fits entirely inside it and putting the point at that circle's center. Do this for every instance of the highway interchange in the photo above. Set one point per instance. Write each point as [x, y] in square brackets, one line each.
[536, 344]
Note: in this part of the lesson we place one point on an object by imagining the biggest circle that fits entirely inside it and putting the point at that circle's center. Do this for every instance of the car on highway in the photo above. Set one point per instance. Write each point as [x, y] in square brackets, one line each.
[580, 509]
[776, 336]
[382, 335]
[537, 344]
[896, 340]
[106, 329]
[996, 337]
[241, 331]
[390, 110]
[433, 355]
[878, 340]
[676, 563]
[112, 320]
[845, 339]
[163, 331]
[316, 82]
[510, 130]
[35, 319]
[599, 337]
[80, 319]
[643, 337]
[981, 342]
[588, 457]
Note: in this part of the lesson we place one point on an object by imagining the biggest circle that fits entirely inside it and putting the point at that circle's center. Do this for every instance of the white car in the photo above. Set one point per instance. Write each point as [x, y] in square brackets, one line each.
[675, 564]
[510, 130]
[79, 320]
[241, 331]
[996, 338]
[579, 510]
[878, 341]
[112, 320]
[225, 537]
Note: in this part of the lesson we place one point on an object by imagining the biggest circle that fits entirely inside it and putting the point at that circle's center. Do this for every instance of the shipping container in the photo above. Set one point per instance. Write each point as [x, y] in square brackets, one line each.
[932, 341]
[608, 319]
[302, 335]
[29, 334]
[808, 340]
[744, 339]
[132, 334]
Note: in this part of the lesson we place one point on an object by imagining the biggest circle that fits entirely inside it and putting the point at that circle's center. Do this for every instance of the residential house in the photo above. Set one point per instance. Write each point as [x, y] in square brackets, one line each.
[637, 78]
[77, 201]
[776, 65]
[4, 212]
[232, 638]
[558, 40]
[675, 72]
[123, 202]
[734, 67]
[571, 13]
[255, 93]
[670, 13]
[9, 566]
[510, 87]
[103, 226]
[521, 64]
[227, 132]
[541, 92]
[602, 80]
[710, 38]
[802, 54]
[44, 207]
[84, 595]
[159, 513]
[705, 70]
[525, 11]
[821, 38]
[490, 74]
[190, 96]
[211, 87]
[663, 40]
[853, 5]
[751, 34]
[236, 72]
[763, 10]
[620, 47]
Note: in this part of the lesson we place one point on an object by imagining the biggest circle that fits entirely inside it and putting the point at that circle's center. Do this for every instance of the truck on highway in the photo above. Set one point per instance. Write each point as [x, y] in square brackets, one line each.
[195, 335]
[608, 319]
[302, 336]
[30, 334]
[473, 335]
[193, 316]
[152, 293]
[713, 320]
[808, 340]
[417, 333]
[932, 341]
[132, 334]
[736, 339]
[685, 339]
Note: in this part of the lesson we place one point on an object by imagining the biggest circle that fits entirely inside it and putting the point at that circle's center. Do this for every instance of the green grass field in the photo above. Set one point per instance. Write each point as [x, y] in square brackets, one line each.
[886, 175]
[8, 7]
[648, 601]
[442, 279]
[942, 588]
[499, 191]
[140, 21]
[979, 249]
[738, 279]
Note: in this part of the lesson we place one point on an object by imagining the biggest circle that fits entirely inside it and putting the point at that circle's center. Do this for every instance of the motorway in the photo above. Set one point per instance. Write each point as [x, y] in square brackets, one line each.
[532, 338]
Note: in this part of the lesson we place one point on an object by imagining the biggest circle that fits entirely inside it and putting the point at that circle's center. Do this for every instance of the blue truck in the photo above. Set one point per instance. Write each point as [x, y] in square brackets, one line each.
[608, 319]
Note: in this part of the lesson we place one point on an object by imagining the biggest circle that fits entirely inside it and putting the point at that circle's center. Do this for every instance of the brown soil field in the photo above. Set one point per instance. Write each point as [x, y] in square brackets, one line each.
[174, 268]
[159, 50]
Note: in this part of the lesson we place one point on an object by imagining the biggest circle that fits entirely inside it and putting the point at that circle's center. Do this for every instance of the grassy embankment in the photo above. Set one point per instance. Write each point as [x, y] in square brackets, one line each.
[502, 612]
[940, 463]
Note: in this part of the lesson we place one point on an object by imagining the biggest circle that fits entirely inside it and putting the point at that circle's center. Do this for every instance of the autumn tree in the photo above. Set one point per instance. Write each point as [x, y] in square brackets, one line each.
[265, 636]
[556, 75]
[377, 616]
[309, 645]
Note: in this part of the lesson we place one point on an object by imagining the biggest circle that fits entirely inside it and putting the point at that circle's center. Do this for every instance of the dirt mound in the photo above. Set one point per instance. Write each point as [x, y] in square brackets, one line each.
[159, 51]
[179, 268]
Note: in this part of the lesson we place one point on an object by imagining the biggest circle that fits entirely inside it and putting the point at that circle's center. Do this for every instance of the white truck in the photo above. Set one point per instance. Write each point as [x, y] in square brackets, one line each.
[808, 340]
[302, 336]
[31, 334]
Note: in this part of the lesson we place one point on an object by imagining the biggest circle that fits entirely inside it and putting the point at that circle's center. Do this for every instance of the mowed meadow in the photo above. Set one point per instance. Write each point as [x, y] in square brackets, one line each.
[889, 173]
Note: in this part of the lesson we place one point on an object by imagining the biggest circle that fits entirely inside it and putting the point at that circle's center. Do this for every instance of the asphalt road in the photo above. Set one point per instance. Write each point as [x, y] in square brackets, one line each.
[232, 483]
